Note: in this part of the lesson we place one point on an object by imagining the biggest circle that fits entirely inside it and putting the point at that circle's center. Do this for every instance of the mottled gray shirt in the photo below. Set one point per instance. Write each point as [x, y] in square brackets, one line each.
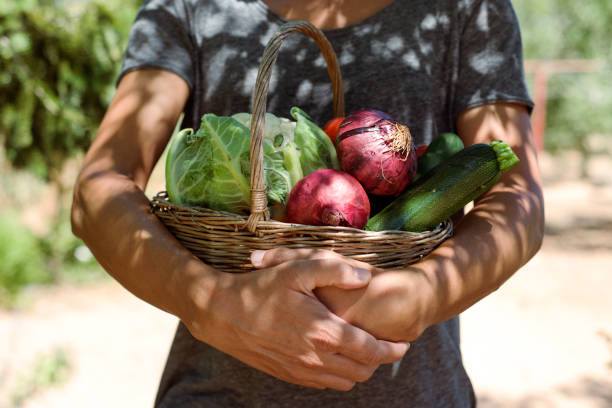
[422, 61]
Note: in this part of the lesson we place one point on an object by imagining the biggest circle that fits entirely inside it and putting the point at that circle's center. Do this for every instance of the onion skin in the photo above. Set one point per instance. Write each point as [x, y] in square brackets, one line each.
[362, 118]
[378, 151]
[328, 197]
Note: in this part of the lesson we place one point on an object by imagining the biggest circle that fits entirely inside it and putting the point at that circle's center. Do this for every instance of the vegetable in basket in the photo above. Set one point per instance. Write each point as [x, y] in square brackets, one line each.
[378, 151]
[211, 167]
[329, 197]
[440, 149]
[446, 189]
[332, 127]
[301, 141]
[316, 149]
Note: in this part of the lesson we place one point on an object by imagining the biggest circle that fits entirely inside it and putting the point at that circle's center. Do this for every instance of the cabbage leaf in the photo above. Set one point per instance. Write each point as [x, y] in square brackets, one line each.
[316, 149]
[210, 168]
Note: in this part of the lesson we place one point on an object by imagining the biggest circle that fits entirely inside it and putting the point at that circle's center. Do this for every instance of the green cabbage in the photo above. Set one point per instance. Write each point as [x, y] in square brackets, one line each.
[316, 149]
[210, 167]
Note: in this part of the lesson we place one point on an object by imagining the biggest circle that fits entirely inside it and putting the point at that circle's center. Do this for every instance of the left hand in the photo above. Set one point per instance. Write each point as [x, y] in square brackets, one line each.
[394, 306]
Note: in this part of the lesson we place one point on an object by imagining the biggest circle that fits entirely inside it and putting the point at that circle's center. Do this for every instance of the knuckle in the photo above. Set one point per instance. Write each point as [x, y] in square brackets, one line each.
[305, 377]
[289, 273]
[317, 384]
[346, 269]
[327, 340]
[365, 373]
[327, 254]
[298, 377]
[414, 332]
[335, 266]
[371, 359]
[276, 253]
[333, 260]
[310, 361]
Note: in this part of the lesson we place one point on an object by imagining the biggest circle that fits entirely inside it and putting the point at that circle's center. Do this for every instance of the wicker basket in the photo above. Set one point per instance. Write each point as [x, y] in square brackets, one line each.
[225, 240]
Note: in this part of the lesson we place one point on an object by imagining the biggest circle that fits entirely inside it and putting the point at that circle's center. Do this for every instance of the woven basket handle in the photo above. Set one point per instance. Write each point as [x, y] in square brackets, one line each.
[259, 204]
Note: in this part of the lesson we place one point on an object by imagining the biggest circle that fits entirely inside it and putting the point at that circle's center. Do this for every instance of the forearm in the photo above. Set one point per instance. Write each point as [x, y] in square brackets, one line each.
[110, 211]
[112, 216]
[506, 226]
[501, 233]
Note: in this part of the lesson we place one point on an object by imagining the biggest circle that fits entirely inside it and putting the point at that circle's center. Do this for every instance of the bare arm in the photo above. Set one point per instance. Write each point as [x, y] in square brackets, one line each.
[506, 226]
[111, 213]
[501, 233]
[271, 319]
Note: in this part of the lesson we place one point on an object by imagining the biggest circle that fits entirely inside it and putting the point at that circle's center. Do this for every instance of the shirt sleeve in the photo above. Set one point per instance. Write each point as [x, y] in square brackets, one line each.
[159, 38]
[490, 68]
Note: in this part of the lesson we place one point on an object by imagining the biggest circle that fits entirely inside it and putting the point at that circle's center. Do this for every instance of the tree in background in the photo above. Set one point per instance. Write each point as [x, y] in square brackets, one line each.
[579, 104]
[59, 62]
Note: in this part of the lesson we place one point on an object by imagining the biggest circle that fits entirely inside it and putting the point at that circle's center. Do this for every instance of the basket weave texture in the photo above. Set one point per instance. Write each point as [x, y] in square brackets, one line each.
[225, 240]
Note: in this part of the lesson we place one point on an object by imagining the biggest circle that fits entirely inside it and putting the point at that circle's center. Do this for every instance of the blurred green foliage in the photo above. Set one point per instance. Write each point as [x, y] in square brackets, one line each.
[27, 259]
[51, 254]
[21, 258]
[59, 62]
[565, 29]
[579, 104]
[47, 370]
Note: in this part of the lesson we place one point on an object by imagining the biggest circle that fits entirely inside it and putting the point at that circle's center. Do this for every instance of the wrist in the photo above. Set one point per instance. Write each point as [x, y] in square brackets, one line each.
[427, 297]
[419, 298]
[439, 288]
[195, 286]
[397, 305]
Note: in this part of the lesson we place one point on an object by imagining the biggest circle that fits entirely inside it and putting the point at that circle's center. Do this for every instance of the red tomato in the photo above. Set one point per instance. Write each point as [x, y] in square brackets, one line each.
[421, 150]
[331, 128]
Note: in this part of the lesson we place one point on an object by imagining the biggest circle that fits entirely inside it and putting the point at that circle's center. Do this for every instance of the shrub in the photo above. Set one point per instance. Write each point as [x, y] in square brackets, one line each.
[21, 259]
[59, 63]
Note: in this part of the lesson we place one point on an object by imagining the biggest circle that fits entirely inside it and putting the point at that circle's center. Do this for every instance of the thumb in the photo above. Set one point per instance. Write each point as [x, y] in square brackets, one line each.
[261, 259]
[315, 267]
[317, 273]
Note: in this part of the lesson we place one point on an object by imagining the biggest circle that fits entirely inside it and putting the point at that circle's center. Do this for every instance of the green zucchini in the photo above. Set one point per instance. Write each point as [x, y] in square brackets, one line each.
[446, 189]
[440, 149]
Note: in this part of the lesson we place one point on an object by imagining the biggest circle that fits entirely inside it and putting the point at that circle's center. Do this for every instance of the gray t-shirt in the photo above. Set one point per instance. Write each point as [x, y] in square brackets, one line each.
[423, 62]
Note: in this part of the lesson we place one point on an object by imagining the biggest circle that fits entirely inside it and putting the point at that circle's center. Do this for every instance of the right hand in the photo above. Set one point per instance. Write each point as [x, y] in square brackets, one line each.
[271, 320]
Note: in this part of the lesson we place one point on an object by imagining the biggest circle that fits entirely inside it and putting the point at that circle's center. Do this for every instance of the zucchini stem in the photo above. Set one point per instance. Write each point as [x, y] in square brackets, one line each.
[505, 156]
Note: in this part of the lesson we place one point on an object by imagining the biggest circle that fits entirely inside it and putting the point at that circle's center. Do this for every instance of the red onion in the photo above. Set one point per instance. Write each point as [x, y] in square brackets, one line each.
[377, 150]
[328, 197]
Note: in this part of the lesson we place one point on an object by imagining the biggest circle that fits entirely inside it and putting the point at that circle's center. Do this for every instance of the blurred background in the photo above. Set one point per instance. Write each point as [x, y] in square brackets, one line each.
[71, 336]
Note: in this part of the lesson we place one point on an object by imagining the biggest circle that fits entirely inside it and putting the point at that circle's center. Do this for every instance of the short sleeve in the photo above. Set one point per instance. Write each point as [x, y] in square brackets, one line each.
[490, 68]
[159, 38]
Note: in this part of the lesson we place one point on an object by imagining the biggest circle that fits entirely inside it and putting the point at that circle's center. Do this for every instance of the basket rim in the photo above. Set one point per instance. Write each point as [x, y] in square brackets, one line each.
[161, 202]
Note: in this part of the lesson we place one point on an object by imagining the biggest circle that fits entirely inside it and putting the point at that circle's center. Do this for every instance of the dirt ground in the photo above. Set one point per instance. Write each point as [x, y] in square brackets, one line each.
[543, 340]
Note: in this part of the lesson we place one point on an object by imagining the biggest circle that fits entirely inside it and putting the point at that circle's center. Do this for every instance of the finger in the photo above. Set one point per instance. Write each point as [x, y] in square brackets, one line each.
[315, 273]
[364, 348]
[328, 362]
[391, 351]
[348, 368]
[323, 381]
[311, 372]
[272, 257]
